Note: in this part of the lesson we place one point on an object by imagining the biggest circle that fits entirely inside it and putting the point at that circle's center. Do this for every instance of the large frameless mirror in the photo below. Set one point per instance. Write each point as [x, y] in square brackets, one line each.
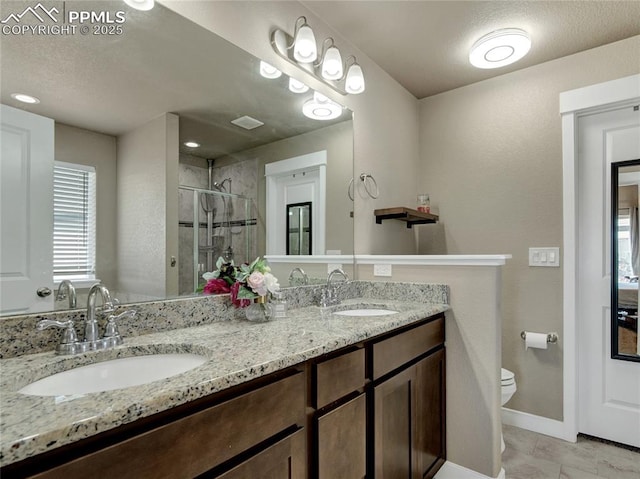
[133, 108]
[625, 247]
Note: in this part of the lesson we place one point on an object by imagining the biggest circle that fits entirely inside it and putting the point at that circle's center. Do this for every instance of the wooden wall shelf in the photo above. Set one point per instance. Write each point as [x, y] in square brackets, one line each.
[408, 215]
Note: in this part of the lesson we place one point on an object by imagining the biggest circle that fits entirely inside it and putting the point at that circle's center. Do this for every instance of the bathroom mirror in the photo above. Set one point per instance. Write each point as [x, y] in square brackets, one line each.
[100, 88]
[625, 247]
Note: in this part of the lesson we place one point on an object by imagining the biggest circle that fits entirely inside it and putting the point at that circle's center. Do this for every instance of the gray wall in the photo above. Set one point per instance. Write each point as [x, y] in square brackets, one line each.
[491, 159]
[147, 186]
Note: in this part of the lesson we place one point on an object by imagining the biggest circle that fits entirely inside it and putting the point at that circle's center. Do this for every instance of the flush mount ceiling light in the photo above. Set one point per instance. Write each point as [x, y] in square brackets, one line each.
[500, 48]
[301, 50]
[191, 144]
[25, 98]
[269, 71]
[140, 4]
[321, 108]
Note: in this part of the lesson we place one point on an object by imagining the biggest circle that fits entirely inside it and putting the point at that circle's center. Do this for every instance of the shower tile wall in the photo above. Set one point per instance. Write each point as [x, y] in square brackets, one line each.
[243, 238]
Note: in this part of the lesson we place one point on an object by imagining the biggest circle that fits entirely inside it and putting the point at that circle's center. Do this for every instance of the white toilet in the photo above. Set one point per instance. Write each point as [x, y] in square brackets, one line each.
[508, 388]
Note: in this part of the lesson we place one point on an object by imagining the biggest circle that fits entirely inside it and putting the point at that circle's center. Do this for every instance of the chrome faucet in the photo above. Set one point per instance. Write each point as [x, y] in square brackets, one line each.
[70, 344]
[66, 289]
[90, 323]
[329, 295]
[305, 278]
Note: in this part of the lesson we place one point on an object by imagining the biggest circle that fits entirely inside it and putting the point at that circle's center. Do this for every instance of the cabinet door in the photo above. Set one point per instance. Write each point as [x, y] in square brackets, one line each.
[393, 422]
[342, 441]
[286, 459]
[429, 421]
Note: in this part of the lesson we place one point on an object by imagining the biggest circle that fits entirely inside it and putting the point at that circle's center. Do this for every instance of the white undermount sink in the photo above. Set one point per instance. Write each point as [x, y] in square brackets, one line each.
[114, 374]
[366, 312]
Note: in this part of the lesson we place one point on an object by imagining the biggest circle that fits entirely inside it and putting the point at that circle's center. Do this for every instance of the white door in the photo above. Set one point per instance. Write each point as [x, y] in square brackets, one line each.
[26, 202]
[609, 389]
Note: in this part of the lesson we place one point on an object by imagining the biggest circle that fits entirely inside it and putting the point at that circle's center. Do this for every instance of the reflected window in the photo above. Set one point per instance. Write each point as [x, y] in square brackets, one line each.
[74, 221]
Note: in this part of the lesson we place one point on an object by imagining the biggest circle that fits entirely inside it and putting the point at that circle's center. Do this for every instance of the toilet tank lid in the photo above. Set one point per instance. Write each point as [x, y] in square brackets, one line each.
[507, 375]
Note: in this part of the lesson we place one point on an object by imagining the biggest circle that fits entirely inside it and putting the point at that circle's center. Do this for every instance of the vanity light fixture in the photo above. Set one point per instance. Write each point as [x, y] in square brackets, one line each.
[301, 50]
[191, 144]
[24, 98]
[321, 108]
[140, 4]
[269, 71]
[500, 48]
[296, 86]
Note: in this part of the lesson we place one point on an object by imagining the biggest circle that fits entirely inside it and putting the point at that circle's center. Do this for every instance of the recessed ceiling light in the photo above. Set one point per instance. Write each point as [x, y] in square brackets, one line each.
[321, 108]
[25, 98]
[140, 4]
[500, 48]
[269, 71]
[247, 122]
[191, 144]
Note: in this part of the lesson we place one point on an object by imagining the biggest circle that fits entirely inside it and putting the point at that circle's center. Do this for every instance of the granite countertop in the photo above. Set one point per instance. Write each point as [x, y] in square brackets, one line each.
[237, 352]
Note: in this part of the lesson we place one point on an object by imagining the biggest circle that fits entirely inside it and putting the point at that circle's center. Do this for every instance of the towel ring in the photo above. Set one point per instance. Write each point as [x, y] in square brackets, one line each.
[364, 177]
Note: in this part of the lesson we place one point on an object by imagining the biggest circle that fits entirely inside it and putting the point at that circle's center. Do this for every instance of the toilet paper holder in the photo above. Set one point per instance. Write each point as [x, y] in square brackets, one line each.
[552, 338]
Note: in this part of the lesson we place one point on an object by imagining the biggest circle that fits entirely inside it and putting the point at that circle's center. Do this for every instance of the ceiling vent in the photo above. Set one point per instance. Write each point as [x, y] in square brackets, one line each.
[247, 122]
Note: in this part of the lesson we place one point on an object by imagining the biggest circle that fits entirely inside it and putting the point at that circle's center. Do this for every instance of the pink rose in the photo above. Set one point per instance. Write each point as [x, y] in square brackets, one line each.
[256, 283]
[216, 286]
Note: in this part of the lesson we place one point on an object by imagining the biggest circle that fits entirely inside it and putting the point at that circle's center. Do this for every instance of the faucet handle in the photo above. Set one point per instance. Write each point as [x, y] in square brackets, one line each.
[111, 332]
[69, 343]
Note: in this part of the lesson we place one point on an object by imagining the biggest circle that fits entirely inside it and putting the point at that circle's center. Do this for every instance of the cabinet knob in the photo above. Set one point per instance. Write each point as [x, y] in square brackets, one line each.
[43, 292]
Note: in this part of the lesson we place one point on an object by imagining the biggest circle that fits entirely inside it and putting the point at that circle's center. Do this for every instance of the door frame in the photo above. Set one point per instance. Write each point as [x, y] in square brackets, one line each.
[277, 169]
[574, 104]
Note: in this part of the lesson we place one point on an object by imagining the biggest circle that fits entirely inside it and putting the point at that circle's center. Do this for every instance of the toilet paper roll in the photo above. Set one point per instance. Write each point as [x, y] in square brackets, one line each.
[535, 340]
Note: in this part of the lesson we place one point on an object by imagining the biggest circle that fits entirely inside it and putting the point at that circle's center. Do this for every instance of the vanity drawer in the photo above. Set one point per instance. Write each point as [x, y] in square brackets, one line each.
[339, 376]
[393, 352]
[194, 444]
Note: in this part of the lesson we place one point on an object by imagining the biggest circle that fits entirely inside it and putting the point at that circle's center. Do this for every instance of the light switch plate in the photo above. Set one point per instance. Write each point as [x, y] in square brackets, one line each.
[382, 270]
[546, 257]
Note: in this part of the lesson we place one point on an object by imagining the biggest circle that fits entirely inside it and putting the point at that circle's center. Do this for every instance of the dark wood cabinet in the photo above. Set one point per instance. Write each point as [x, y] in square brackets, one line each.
[409, 406]
[284, 460]
[375, 409]
[342, 441]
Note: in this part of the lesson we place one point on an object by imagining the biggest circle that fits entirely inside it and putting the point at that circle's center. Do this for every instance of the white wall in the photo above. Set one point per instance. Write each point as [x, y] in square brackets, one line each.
[491, 157]
[148, 208]
[84, 147]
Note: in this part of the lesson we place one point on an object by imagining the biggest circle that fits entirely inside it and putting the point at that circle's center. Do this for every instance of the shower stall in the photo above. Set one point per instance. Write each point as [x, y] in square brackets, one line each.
[213, 223]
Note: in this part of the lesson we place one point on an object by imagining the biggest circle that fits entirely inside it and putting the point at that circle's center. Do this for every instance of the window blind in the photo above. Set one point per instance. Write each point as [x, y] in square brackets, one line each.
[74, 221]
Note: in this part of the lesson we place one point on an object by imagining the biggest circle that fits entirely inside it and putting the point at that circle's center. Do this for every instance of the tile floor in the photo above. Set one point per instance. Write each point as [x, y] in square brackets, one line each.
[529, 455]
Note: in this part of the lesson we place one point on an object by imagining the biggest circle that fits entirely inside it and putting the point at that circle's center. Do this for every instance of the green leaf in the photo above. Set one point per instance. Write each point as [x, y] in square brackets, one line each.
[245, 293]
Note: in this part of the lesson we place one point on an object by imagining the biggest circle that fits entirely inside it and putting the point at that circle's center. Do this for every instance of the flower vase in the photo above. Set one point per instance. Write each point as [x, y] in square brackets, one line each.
[260, 310]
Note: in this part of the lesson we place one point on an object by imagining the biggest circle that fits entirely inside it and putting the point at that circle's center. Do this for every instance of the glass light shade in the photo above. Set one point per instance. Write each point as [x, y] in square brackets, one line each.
[354, 83]
[297, 86]
[269, 71]
[332, 64]
[500, 48]
[321, 108]
[140, 4]
[304, 45]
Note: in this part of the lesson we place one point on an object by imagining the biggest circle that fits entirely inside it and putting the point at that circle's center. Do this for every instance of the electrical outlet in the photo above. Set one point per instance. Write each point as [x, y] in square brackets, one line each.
[382, 270]
[549, 257]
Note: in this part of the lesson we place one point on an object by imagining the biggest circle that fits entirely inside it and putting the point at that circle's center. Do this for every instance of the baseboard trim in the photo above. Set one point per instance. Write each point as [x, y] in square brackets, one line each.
[449, 470]
[539, 424]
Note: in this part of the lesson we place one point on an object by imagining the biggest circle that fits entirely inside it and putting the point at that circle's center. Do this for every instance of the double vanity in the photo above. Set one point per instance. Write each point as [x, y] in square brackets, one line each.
[354, 390]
